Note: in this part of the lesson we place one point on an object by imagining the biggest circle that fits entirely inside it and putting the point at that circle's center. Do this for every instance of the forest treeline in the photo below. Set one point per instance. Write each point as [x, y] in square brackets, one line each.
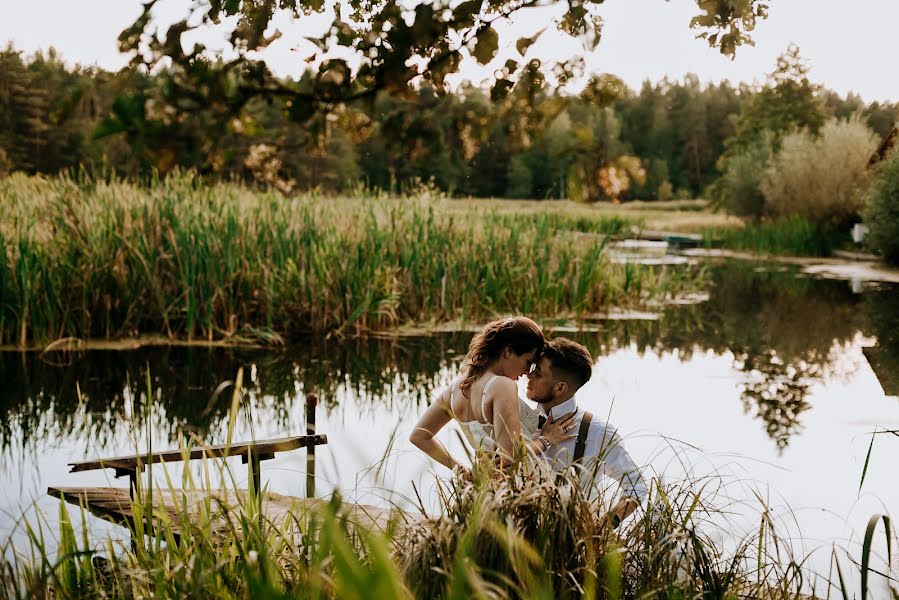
[663, 141]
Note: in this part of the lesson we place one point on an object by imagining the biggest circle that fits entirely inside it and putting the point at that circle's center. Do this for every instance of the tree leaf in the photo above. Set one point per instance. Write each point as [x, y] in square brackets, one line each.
[500, 89]
[464, 14]
[523, 44]
[486, 45]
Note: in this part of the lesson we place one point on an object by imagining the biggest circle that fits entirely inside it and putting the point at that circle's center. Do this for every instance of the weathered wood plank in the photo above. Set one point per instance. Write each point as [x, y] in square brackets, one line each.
[115, 505]
[260, 448]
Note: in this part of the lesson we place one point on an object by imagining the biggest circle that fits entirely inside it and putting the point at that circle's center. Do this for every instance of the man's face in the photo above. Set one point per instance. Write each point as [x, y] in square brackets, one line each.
[541, 382]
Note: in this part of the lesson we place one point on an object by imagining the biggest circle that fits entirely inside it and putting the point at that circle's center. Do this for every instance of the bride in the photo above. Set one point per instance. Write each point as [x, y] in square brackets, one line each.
[484, 399]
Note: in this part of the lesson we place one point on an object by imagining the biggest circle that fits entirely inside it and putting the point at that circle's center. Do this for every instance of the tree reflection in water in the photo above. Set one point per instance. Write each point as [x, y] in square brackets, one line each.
[775, 392]
[784, 331]
[780, 328]
[39, 401]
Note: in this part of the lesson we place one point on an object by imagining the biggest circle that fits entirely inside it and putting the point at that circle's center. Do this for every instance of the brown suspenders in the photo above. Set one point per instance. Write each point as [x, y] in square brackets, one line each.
[581, 443]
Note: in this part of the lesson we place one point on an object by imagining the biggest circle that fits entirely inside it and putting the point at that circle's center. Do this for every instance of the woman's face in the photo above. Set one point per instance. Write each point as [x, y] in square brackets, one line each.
[517, 365]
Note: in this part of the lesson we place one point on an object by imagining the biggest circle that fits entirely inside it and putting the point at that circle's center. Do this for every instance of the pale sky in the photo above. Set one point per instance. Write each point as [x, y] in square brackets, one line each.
[849, 46]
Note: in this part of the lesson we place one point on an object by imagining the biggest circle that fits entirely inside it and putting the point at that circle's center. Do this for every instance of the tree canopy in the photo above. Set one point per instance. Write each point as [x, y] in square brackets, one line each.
[370, 47]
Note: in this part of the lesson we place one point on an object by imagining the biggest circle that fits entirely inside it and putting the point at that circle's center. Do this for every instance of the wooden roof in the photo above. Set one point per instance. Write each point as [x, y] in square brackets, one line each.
[888, 143]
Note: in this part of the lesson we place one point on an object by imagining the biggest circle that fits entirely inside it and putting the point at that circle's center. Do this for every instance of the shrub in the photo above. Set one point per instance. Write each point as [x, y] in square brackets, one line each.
[665, 191]
[737, 190]
[820, 178]
[521, 180]
[882, 211]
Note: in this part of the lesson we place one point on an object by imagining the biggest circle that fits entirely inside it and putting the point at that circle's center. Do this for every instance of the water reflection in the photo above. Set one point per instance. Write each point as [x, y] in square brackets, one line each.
[784, 331]
[781, 329]
[92, 393]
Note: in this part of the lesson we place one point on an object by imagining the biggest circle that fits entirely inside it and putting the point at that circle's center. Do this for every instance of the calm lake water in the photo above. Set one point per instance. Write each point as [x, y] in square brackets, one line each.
[773, 385]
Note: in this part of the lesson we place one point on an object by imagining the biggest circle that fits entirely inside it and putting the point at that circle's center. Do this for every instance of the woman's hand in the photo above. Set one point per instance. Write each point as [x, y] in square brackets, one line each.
[559, 430]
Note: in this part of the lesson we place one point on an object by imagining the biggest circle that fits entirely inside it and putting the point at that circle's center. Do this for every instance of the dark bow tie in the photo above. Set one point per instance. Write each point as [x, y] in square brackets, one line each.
[541, 421]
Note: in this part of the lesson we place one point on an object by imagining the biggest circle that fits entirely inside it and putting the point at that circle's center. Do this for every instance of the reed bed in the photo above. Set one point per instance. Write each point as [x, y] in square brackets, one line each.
[795, 236]
[192, 261]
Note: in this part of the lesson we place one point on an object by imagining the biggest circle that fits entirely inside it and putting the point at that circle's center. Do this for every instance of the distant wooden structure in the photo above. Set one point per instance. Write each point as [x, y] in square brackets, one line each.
[889, 142]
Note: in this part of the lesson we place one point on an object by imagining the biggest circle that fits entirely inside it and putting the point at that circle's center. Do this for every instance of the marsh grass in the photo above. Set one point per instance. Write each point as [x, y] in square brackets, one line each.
[793, 236]
[192, 261]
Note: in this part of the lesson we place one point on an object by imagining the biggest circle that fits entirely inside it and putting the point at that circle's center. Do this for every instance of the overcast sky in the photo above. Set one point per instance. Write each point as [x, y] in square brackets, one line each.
[850, 46]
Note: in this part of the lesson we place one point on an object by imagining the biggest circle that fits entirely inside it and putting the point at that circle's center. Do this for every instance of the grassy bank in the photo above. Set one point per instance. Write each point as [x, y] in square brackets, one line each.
[191, 261]
[793, 236]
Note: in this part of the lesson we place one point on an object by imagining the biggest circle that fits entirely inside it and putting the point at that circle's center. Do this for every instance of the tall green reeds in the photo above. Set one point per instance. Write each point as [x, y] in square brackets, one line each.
[186, 260]
[795, 236]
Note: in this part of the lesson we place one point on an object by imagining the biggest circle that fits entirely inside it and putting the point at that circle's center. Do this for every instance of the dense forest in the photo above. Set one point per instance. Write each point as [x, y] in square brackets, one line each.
[663, 141]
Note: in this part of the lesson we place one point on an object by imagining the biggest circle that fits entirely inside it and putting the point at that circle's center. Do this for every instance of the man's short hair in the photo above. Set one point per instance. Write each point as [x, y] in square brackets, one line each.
[570, 361]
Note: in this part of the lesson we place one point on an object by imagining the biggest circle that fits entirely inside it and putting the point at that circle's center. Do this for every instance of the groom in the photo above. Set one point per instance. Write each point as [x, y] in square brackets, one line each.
[563, 367]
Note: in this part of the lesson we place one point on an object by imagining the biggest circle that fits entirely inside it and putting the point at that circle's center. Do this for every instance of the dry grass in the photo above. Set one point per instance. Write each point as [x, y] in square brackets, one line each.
[683, 216]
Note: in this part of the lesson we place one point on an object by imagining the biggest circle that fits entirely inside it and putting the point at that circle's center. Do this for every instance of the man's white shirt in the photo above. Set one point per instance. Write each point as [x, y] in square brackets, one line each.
[604, 454]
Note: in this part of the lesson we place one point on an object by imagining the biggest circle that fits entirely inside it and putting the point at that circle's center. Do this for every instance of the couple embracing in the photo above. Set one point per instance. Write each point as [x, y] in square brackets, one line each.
[484, 400]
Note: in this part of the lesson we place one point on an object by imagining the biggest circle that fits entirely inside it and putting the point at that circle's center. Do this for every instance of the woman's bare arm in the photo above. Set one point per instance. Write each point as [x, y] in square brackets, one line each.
[434, 418]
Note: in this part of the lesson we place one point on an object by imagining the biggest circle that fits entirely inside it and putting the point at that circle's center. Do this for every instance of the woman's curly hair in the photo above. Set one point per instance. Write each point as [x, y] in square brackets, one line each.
[521, 334]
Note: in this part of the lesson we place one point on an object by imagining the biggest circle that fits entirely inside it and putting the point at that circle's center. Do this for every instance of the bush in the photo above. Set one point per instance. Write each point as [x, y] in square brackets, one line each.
[820, 178]
[665, 191]
[521, 180]
[737, 190]
[882, 211]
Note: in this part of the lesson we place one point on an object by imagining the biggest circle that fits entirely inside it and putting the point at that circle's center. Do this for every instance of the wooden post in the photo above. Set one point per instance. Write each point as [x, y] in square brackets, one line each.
[311, 403]
[132, 493]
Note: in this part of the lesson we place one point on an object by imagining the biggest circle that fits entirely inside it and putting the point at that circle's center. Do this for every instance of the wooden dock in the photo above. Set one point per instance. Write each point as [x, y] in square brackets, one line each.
[179, 507]
[214, 509]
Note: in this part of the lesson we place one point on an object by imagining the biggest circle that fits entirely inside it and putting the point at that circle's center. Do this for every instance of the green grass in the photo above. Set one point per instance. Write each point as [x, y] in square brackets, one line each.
[186, 260]
[793, 236]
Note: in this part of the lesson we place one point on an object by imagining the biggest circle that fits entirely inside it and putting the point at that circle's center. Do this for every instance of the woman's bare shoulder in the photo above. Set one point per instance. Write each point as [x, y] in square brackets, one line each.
[503, 386]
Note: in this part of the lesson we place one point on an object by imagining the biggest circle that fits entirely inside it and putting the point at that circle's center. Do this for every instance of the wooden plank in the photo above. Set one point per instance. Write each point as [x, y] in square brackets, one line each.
[260, 448]
[114, 505]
